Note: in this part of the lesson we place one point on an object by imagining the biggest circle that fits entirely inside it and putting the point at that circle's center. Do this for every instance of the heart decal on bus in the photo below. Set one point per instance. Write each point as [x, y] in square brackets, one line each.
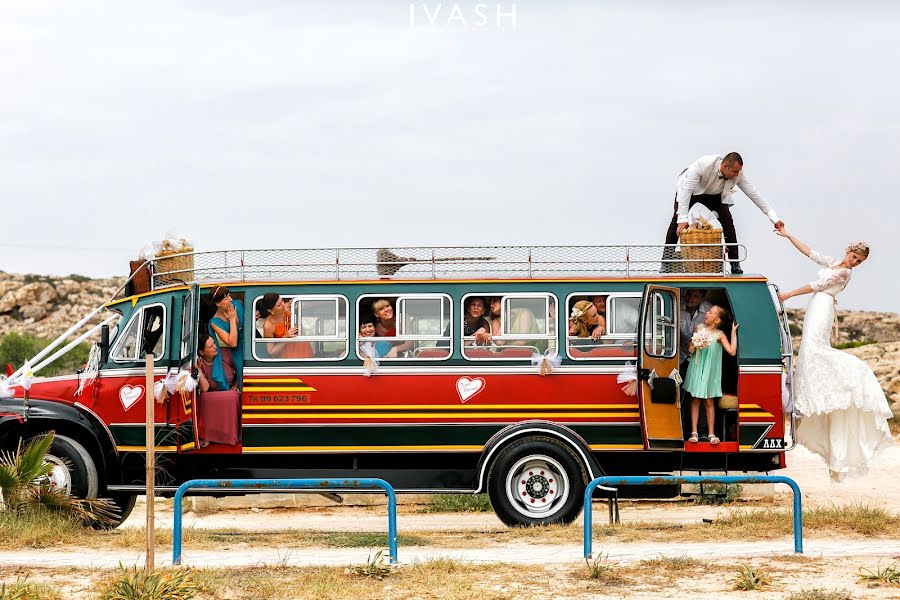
[467, 387]
[129, 395]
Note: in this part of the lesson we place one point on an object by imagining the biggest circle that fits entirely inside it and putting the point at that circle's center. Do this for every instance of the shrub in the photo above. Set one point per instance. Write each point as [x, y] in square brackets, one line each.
[750, 579]
[138, 584]
[16, 348]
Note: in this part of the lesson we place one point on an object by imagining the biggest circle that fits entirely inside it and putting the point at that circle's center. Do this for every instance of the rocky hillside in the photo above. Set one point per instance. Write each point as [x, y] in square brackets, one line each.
[47, 306]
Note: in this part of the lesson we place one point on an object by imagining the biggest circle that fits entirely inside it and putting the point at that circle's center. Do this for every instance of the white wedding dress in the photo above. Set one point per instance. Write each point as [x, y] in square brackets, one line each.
[842, 409]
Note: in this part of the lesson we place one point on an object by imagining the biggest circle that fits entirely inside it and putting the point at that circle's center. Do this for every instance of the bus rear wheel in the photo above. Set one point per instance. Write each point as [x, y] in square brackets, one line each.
[536, 481]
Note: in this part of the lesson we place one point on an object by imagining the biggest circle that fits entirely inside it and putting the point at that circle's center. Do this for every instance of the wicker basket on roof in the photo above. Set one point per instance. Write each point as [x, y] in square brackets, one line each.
[173, 265]
[701, 258]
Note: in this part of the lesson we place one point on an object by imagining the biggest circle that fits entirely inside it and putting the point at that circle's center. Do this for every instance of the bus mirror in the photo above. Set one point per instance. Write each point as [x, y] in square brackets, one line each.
[104, 344]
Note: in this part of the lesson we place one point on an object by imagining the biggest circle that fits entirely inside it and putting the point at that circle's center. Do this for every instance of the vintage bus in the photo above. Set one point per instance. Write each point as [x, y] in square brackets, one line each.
[529, 418]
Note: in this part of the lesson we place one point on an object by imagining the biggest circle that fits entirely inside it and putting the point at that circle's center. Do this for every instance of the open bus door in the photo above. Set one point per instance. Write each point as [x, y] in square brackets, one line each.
[185, 404]
[659, 390]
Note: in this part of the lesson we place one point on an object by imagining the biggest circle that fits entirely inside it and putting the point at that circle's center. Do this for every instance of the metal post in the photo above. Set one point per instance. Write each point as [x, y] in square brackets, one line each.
[664, 480]
[265, 485]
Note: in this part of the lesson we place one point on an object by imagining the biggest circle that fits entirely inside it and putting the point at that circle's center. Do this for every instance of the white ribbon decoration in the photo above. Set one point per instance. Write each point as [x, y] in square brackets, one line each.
[91, 369]
[26, 377]
[184, 383]
[629, 378]
[6, 387]
[370, 358]
[174, 381]
[545, 363]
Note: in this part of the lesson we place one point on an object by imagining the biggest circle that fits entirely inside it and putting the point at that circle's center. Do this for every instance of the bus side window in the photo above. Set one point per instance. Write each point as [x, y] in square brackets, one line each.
[525, 325]
[620, 338]
[421, 327]
[321, 323]
[149, 321]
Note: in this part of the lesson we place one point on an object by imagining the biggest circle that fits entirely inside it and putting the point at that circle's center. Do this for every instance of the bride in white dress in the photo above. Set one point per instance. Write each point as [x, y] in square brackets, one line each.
[842, 408]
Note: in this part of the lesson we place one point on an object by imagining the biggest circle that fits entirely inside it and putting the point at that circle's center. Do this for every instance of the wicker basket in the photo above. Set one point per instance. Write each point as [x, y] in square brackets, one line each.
[170, 259]
[704, 259]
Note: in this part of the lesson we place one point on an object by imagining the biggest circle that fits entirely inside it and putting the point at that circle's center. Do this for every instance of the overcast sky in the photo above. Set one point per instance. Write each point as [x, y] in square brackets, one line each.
[288, 124]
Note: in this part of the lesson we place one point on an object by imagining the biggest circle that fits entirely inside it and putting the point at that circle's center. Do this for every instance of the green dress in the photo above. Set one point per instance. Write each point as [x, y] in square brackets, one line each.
[704, 374]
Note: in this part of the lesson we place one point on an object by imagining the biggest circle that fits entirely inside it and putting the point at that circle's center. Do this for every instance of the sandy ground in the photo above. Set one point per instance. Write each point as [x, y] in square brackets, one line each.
[838, 559]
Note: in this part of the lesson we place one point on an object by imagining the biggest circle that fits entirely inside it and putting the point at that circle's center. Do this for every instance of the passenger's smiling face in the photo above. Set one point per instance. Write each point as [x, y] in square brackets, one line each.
[385, 313]
[476, 308]
[367, 330]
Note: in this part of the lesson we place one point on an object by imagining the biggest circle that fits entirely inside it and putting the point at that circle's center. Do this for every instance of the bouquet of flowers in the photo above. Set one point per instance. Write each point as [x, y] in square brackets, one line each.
[703, 337]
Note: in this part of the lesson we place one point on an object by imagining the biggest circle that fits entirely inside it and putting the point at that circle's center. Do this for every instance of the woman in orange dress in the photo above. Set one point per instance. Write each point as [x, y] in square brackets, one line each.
[277, 324]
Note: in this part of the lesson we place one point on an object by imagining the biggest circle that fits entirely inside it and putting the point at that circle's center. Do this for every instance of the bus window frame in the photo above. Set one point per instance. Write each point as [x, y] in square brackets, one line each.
[306, 338]
[511, 337]
[606, 336]
[139, 314]
[653, 312]
[407, 337]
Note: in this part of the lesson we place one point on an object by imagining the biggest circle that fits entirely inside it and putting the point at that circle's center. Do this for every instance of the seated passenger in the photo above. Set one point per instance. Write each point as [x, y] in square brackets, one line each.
[386, 326]
[496, 321]
[367, 330]
[474, 323]
[277, 324]
[583, 321]
[218, 409]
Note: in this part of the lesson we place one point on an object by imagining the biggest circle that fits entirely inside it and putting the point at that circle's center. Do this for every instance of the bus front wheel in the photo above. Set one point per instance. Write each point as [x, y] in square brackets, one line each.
[536, 481]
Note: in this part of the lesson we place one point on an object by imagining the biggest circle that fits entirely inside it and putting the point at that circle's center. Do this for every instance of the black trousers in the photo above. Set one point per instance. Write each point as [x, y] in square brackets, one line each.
[712, 202]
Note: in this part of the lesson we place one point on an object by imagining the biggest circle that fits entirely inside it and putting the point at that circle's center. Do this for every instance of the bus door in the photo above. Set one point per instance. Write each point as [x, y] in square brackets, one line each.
[184, 404]
[660, 384]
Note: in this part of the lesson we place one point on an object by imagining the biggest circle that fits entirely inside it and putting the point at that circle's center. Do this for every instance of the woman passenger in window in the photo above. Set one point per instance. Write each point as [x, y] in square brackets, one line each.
[386, 326]
[226, 328]
[583, 322]
[474, 323]
[277, 324]
[599, 303]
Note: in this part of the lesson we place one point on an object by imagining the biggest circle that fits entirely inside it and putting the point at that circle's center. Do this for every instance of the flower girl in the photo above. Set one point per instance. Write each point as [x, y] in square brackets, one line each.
[704, 374]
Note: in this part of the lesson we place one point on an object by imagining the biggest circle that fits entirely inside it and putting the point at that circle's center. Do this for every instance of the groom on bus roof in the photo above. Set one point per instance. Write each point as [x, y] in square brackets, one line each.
[710, 180]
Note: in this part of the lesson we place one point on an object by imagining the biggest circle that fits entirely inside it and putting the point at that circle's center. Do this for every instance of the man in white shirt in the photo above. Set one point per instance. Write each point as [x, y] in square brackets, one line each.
[710, 180]
[693, 313]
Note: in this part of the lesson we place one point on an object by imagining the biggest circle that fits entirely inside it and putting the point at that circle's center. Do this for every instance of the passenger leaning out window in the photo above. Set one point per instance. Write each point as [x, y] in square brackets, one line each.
[386, 326]
[226, 328]
[277, 324]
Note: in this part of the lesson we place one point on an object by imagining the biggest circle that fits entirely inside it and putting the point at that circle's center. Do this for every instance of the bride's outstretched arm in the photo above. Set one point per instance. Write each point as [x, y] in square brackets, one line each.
[806, 289]
[797, 243]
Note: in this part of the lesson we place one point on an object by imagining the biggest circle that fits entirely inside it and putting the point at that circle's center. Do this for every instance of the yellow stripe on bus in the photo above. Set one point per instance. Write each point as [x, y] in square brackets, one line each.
[252, 449]
[144, 448]
[280, 389]
[464, 407]
[616, 446]
[279, 380]
[246, 416]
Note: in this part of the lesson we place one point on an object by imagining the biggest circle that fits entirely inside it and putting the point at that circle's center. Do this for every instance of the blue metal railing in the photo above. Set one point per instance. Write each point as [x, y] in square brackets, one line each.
[670, 479]
[271, 485]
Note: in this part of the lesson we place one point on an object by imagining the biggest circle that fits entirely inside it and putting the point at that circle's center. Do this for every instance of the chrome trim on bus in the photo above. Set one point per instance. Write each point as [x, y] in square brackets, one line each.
[112, 440]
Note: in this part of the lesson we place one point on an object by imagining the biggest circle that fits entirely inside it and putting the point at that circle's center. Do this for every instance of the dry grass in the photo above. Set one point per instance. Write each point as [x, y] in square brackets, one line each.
[49, 530]
[652, 578]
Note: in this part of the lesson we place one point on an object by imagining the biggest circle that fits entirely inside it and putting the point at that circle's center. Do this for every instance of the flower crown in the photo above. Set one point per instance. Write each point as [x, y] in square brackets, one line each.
[577, 312]
[857, 246]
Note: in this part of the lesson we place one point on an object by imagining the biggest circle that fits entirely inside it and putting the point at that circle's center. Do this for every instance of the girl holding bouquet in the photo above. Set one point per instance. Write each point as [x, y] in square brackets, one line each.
[704, 375]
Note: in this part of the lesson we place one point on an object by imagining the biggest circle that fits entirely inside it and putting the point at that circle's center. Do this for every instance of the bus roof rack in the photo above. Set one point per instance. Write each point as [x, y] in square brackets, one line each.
[439, 262]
